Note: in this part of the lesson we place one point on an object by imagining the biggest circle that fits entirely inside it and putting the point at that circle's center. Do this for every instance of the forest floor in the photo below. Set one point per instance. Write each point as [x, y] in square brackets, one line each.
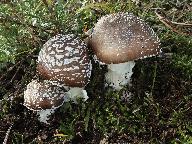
[159, 110]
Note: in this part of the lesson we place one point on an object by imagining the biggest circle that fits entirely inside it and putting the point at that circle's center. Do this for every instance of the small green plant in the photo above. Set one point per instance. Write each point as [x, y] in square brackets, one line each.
[159, 110]
[18, 138]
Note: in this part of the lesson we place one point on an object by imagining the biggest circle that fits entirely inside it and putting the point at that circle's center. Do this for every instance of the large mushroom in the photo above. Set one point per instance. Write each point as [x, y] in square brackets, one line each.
[64, 58]
[119, 39]
[44, 98]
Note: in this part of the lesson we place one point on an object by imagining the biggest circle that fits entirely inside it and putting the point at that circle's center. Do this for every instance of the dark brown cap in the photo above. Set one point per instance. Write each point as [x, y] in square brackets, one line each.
[65, 58]
[122, 37]
[43, 95]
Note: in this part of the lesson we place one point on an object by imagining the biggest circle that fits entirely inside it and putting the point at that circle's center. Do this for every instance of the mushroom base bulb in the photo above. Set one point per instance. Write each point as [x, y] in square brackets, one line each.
[119, 75]
[44, 115]
[75, 93]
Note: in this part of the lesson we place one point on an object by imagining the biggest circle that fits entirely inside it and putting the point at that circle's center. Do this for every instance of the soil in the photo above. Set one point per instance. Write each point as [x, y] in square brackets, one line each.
[169, 90]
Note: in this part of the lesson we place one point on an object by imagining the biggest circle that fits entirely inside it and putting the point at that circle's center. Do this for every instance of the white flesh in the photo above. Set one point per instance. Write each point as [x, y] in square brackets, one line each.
[75, 93]
[44, 115]
[119, 75]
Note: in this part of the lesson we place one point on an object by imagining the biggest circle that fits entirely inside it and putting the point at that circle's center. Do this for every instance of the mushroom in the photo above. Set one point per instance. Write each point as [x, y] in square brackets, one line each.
[44, 98]
[64, 58]
[119, 39]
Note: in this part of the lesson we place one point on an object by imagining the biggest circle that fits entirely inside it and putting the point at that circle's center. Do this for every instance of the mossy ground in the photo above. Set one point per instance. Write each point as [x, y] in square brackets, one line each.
[160, 110]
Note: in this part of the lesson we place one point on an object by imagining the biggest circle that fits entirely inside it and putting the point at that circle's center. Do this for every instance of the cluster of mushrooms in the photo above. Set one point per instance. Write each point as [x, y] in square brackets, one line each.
[65, 67]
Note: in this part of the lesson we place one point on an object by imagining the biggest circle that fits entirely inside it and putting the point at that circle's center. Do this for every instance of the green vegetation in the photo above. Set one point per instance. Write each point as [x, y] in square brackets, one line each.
[159, 110]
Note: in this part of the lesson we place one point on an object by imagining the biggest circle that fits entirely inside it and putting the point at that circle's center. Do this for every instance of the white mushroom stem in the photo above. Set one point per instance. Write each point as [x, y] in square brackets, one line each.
[119, 75]
[44, 115]
[75, 92]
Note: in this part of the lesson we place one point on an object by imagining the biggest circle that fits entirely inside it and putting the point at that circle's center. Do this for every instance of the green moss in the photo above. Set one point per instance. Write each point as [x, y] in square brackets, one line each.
[159, 109]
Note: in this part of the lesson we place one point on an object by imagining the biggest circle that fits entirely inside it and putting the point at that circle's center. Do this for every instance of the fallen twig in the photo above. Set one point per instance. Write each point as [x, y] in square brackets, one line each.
[18, 63]
[170, 24]
[10, 69]
[7, 134]
[184, 24]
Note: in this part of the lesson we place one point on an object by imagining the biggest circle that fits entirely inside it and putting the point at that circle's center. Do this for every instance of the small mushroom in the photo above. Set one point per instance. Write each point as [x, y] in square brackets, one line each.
[44, 98]
[119, 39]
[64, 58]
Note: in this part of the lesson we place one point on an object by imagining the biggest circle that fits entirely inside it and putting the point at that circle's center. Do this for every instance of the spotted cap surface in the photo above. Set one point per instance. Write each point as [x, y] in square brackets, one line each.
[65, 58]
[122, 37]
[43, 95]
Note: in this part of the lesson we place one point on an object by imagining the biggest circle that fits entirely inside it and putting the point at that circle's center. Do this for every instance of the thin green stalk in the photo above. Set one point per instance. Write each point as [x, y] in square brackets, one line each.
[154, 79]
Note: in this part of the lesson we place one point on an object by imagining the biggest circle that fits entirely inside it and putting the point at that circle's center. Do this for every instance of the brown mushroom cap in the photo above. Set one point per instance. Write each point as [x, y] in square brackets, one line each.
[122, 37]
[43, 95]
[65, 58]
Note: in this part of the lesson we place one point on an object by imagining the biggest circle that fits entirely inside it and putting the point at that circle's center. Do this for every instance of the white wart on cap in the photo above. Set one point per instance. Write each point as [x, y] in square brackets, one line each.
[64, 58]
[122, 37]
[43, 95]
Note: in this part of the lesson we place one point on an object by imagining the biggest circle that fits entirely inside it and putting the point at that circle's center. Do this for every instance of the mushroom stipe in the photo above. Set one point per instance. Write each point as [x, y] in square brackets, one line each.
[65, 58]
[65, 67]
[43, 96]
[63, 62]
[119, 39]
